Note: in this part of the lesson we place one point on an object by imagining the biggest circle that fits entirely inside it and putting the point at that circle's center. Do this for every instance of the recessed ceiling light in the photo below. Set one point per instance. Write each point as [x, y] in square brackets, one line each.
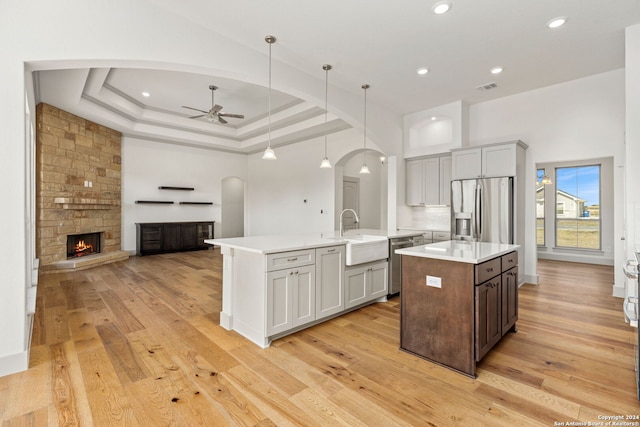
[496, 70]
[422, 71]
[146, 94]
[434, 118]
[557, 22]
[441, 7]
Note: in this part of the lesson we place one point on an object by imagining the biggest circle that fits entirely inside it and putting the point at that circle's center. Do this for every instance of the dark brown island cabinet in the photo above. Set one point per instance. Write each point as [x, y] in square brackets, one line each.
[456, 320]
[163, 237]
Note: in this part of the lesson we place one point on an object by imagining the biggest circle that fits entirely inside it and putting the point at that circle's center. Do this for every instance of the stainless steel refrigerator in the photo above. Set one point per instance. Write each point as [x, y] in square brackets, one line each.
[482, 210]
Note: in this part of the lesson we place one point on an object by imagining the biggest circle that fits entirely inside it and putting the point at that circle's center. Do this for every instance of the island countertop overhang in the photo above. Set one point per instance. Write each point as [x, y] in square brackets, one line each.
[459, 251]
[267, 244]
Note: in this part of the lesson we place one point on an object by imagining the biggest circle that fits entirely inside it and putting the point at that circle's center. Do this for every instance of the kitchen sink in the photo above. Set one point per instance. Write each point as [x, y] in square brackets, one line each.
[363, 248]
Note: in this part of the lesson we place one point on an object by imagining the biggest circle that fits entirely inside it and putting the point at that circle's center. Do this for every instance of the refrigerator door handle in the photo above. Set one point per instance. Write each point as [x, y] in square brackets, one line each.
[478, 215]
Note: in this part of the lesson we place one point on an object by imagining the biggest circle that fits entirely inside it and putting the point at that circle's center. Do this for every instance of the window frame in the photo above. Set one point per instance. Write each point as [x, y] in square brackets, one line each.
[578, 165]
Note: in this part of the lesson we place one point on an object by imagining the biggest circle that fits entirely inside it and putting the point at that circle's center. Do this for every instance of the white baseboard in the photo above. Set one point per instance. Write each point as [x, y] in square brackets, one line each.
[533, 279]
[14, 363]
[618, 291]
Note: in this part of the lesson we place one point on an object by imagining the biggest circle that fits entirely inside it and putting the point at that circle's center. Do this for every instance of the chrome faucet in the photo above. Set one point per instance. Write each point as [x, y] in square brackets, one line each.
[341, 213]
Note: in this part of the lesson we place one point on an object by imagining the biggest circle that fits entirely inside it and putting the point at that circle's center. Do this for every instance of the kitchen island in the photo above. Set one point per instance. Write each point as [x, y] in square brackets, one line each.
[275, 285]
[457, 301]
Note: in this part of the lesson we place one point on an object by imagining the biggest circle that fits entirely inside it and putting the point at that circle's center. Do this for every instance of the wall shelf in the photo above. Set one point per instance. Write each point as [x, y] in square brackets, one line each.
[196, 203]
[164, 187]
[155, 202]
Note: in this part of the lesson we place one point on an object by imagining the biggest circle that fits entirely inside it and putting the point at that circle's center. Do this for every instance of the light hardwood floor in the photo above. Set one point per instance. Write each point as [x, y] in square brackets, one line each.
[138, 343]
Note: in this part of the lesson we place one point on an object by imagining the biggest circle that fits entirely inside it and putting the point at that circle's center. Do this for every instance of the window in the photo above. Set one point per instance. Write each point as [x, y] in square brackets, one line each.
[540, 208]
[578, 220]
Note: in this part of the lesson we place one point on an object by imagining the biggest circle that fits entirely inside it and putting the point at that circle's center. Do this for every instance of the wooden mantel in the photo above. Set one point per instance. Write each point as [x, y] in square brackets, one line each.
[85, 203]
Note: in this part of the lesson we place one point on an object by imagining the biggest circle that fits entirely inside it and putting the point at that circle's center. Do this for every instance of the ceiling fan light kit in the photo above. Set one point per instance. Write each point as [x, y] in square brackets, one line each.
[215, 114]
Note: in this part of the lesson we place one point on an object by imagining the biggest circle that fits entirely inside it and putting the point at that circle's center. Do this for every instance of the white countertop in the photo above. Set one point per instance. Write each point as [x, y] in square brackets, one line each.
[459, 251]
[282, 243]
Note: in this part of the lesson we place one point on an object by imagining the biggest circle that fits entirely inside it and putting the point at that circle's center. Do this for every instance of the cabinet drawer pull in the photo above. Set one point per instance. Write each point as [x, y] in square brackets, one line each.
[292, 259]
[489, 270]
[331, 250]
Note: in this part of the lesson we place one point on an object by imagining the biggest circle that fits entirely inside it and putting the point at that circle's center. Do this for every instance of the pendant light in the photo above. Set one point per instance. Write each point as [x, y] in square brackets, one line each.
[326, 164]
[545, 180]
[269, 154]
[365, 169]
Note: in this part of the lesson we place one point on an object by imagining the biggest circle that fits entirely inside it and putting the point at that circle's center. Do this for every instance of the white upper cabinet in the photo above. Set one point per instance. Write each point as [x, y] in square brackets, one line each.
[445, 180]
[486, 162]
[499, 160]
[428, 180]
[466, 164]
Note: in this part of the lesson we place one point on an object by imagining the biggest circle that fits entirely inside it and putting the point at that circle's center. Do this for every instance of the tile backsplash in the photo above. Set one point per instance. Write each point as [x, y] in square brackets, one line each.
[436, 218]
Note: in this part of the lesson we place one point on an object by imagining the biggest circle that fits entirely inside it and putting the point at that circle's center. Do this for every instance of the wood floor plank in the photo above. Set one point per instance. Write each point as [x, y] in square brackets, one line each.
[125, 319]
[105, 392]
[261, 393]
[271, 373]
[125, 361]
[138, 343]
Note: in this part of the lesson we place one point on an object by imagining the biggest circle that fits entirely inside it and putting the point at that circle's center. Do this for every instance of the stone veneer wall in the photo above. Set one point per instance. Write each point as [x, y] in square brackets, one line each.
[71, 150]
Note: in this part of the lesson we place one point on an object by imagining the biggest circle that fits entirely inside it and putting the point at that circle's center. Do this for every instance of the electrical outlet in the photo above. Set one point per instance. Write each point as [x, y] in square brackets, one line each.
[434, 282]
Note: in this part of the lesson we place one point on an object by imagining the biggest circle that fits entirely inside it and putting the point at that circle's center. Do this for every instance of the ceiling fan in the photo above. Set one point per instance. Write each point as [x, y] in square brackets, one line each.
[215, 114]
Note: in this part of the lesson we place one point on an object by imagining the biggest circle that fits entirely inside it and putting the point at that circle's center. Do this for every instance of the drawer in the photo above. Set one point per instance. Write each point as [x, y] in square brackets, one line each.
[290, 259]
[151, 245]
[509, 260]
[151, 233]
[487, 270]
[441, 235]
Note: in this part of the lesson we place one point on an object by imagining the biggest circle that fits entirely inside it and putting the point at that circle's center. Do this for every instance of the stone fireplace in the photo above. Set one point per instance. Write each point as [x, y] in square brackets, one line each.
[78, 191]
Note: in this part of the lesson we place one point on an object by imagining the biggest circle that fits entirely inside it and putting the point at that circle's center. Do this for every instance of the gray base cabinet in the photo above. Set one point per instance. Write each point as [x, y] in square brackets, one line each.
[330, 279]
[303, 287]
[290, 298]
[365, 283]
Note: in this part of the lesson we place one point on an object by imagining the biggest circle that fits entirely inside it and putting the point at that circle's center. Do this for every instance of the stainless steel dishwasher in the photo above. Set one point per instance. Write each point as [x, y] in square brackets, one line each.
[395, 260]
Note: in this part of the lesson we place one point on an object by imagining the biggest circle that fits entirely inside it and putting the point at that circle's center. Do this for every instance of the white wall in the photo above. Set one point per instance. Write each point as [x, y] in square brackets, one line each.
[277, 190]
[580, 119]
[372, 190]
[632, 171]
[146, 165]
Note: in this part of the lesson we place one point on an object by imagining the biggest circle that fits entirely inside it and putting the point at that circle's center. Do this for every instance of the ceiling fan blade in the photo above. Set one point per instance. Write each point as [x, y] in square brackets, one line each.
[195, 117]
[196, 109]
[216, 108]
[233, 116]
[221, 120]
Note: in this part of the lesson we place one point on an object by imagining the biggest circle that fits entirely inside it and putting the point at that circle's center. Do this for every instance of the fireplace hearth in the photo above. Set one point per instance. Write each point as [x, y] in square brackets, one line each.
[79, 245]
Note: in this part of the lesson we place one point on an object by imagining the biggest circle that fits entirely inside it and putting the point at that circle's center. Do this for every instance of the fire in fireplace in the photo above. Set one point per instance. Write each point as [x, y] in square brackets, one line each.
[83, 244]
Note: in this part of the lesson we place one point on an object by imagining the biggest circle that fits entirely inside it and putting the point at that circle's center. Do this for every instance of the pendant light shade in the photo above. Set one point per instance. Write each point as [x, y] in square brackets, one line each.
[326, 164]
[365, 169]
[545, 180]
[269, 154]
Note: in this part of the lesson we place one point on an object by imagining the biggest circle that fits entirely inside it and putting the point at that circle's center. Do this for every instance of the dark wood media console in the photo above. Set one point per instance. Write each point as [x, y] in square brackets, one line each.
[163, 237]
